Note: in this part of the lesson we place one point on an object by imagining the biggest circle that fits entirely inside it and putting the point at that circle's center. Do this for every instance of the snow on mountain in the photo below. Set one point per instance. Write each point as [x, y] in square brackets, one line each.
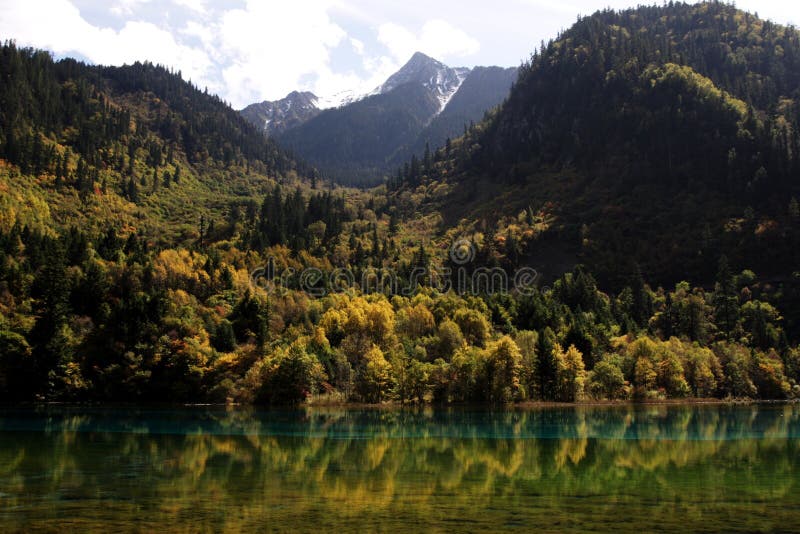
[442, 81]
[296, 108]
[437, 77]
[445, 92]
[338, 100]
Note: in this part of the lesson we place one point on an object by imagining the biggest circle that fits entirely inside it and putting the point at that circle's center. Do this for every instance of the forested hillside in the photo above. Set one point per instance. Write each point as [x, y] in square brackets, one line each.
[133, 145]
[662, 137]
[153, 246]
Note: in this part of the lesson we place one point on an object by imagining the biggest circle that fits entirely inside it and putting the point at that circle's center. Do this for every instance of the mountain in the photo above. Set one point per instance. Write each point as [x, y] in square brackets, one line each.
[274, 117]
[439, 79]
[482, 89]
[131, 147]
[649, 142]
[352, 143]
[358, 139]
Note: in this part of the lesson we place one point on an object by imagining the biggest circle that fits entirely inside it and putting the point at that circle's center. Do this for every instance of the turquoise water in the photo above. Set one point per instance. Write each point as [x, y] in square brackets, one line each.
[688, 468]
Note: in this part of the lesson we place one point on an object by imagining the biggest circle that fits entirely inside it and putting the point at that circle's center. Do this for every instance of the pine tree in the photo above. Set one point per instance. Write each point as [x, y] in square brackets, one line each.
[414, 171]
[224, 339]
[59, 182]
[547, 364]
[132, 190]
[202, 230]
[53, 308]
[642, 303]
[726, 299]
[427, 161]
[263, 317]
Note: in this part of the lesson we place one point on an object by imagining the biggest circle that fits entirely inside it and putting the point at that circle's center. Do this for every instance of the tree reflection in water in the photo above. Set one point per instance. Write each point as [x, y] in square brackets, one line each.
[678, 467]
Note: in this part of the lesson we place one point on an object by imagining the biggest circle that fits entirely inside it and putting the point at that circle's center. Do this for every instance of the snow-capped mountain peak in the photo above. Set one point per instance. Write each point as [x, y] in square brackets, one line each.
[437, 77]
[297, 107]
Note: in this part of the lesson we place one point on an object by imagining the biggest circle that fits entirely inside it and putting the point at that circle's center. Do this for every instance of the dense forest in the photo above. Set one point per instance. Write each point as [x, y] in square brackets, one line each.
[75, 103]
[658, 207]
[664, 137]
[130, 146]
[111, 319]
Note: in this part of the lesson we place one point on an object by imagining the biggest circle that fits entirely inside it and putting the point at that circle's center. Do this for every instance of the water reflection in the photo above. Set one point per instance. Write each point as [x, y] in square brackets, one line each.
[703, 467]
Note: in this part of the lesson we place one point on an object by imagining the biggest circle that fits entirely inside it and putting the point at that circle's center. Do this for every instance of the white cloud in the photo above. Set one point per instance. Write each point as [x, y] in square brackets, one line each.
[261, 51]
[58, 26]
[438, 38]
[562, 7]
[267, 48]
[357, 45]
[143, 40]
[271, 46]
[124, 8]
[400, 41]
[198, 6]
[206, 34]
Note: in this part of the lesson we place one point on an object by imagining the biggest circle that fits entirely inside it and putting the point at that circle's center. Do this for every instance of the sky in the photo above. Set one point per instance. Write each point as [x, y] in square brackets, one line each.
[248, 51]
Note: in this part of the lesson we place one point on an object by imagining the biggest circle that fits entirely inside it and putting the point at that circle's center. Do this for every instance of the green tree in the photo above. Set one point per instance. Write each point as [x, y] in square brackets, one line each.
[606, 380]
[224, 338]
[527, 341]
[450, 339]
[768, 376]
[52, 348]
[547, 370]
[287, 376]
[736, 366]
[670, 376]
[726, 300]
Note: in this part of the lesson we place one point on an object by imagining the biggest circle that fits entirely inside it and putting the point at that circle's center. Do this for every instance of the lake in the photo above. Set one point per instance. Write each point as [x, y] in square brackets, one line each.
[197, 469]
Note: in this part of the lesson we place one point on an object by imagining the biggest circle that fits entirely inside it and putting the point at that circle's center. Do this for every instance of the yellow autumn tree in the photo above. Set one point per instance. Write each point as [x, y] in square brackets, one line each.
[503, 369]
[473, 325]
[415, 321]
[180, 269]
[358, 324]
[374, 380]
[570, 374]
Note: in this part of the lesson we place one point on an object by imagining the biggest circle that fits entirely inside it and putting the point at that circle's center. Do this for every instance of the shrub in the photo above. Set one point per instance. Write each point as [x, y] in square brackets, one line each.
[287, 376]
[606, 380]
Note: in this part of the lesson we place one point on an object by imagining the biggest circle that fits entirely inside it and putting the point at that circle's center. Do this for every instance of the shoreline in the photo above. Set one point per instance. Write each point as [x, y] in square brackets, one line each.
[394, 405]
[527, 405]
